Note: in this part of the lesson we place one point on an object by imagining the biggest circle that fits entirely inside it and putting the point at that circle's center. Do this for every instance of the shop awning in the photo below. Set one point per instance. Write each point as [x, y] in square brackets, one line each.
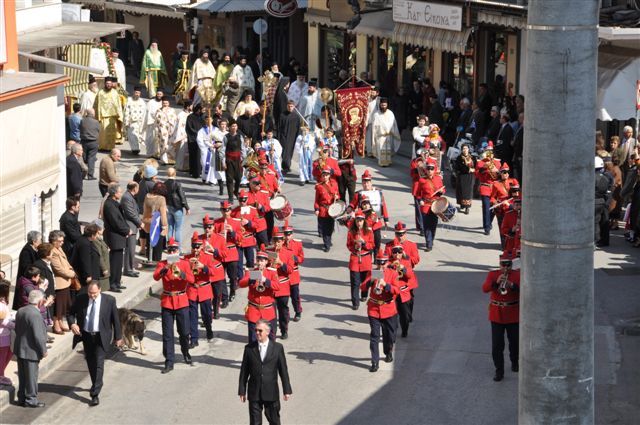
[164, 8]
[316, 17]
[433, 38]
[618, 72]
[66, 34]
[502, 20]
[229, 6]
[376, 24]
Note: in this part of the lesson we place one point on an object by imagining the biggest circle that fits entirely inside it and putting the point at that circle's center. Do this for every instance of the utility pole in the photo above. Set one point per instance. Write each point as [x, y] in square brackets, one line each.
[556, 315]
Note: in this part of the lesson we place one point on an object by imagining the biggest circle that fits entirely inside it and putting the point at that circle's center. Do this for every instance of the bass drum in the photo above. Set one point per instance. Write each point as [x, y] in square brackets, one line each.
[445, 211]
[281, 207]
[336, 209]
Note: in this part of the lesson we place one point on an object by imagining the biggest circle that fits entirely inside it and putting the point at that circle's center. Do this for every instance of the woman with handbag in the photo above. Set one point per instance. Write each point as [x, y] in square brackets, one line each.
[63, 275]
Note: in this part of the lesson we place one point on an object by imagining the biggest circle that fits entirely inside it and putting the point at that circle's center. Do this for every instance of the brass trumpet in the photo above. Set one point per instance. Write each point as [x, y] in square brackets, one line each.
[175, 271]
[380, 284]
[194, 266]
[502, 283]
[260, 286]
[400, 269]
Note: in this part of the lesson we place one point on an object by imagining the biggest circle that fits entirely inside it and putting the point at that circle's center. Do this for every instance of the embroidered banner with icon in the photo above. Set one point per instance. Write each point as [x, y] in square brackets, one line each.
[353, 104]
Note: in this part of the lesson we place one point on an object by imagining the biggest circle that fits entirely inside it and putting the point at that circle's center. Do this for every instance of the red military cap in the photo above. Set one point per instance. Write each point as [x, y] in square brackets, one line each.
[195, 239]
[514, 189]
[359, 214]
[489, 145]
[225, 205]
[326, 171]
[287, 228]
[172, 243]
[504, 167]
[207, 220]
[397, 247]
[262, 254]
[506, 258]
[263, 163]
[366, 175]
[243, 194]
[431, 161]
[382, 256]
[276, 233]
[400, 227]
[363, 199]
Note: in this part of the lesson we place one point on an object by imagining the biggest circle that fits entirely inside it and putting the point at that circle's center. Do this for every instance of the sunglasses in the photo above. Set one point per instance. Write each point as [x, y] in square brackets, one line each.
[260, 331]
[196, 245]
[431, 168]
[242, 199]
[396, 251]
[504, 172]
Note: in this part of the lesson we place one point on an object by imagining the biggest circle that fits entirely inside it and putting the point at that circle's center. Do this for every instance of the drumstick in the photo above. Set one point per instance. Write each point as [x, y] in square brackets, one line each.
[500, 203]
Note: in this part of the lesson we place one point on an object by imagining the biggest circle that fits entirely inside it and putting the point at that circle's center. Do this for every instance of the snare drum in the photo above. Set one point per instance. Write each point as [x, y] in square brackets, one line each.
[336, 209]
[443, 209]
[281, 207]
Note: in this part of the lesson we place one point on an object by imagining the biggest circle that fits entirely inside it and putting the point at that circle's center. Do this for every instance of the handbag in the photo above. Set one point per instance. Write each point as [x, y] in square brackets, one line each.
[75, 284]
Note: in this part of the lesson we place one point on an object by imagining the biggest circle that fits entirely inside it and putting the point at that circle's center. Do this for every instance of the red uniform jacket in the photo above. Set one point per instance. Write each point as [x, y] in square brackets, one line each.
[332, 163]
[372, 219]
[234, 237]
[410, 250]
[201, 290]
[503, 308]
[427, 192]
[284, 272]
[174, 289]
[248, 230]
[357, 197]
[382, 306]
[408, 281]
[326, 194]
[486, 177]
[269, 183]
[261, 304]
[500, 192]
[360, 261]
[260, 200]
[415, 177]
[297, 251]
[219, 246]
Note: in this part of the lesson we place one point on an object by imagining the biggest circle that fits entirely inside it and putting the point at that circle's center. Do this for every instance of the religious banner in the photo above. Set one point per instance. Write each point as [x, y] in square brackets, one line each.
[353, 104]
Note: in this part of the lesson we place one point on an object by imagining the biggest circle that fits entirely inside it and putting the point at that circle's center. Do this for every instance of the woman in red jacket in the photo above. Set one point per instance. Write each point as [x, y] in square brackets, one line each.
[360, 242]
[326, 194]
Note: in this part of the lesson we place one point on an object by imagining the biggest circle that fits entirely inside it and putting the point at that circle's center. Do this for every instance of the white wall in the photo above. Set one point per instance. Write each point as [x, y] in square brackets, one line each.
[141, 24]
[38, 16]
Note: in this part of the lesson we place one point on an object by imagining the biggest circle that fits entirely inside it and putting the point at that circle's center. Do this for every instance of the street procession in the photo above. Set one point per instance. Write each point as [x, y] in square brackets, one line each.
[308, 212]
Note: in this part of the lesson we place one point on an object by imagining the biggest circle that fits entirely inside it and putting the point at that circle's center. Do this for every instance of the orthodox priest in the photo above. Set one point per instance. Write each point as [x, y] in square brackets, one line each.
[288, 129]
[153, 72]
[202, 82]
[182, 71]
[386, 137]
[109, 112]
[223, 73]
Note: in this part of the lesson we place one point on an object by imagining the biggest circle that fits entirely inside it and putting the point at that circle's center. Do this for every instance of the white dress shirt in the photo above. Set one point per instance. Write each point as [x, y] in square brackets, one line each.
[96, 321]
[262, 347]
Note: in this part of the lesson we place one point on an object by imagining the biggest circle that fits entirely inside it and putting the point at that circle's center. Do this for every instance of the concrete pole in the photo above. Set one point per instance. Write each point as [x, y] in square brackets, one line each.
[556, 315]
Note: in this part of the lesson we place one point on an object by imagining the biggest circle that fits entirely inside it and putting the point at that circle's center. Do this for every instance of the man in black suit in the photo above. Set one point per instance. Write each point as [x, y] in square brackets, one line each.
[262, 361]
[93, 318]
[504, 144]
[74, 172]
[116, 231]
[70, 226]
[86, 258]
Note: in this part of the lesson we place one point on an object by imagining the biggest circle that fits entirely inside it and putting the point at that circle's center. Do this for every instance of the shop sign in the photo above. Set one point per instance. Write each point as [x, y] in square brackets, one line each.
[428, 14]
[281, 8]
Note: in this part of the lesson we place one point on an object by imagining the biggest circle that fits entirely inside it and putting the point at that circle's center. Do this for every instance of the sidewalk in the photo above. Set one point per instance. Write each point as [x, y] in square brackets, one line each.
[137, 288]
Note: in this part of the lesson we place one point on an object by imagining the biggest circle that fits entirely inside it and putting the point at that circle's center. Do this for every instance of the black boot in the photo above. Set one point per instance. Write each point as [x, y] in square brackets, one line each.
[515, 367]
[374, 367]
[187, 358]
[499, 375]
[220, 187]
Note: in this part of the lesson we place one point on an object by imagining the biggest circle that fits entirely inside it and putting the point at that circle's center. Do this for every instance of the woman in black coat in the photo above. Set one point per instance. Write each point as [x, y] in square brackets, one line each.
[86, 258]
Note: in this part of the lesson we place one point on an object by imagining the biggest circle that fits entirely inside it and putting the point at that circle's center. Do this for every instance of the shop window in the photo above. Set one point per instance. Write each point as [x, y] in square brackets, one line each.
[335, 55]
[214, 36]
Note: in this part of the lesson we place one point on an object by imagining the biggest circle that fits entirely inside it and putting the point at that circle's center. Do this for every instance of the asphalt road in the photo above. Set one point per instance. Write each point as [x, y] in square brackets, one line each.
[441, 374]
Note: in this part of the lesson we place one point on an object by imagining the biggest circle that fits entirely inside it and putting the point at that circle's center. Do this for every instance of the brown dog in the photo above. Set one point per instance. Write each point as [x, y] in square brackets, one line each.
[132, 327]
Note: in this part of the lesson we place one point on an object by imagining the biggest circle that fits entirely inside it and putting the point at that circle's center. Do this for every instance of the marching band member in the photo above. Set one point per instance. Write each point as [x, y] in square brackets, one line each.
[261, 296]
[377, 202]
[504, 312]
[283, 263]
[231, 229]
[409, 248]
[305, 146]
[176, 276]
[486, 173]
[359, 243]
[510, 228]
[268, 182]
[373, 221]
[259, 199]
[326, 194]
[216, 245]
[417, 171]
[200, 292]
[249, 219]
[382, 311]
[420, 134]
[431, 188]
[500, 193]
[296, 248]
[407, 282]
[325, 161]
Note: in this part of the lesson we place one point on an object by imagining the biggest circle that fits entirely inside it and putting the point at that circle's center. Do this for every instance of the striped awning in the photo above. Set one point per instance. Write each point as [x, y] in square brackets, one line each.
[502, 20]
[316, 17]
[78, 54]
[230, 6]
[432, 38]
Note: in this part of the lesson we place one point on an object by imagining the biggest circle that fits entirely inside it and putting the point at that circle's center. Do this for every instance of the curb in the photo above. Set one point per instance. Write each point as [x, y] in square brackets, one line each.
[57, 357]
